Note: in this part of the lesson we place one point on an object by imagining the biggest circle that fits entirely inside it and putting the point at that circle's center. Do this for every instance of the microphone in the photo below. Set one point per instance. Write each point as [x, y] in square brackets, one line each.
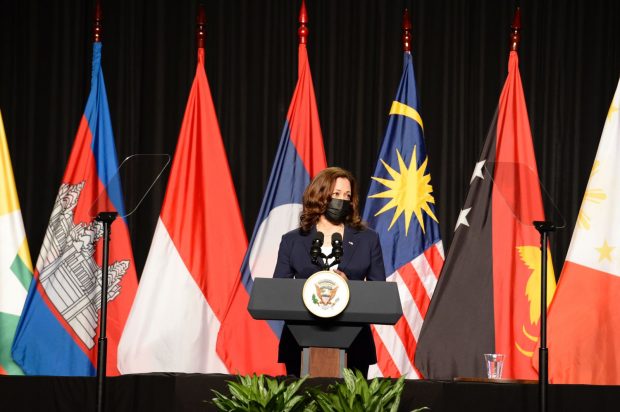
[315, 249]
[337, 250]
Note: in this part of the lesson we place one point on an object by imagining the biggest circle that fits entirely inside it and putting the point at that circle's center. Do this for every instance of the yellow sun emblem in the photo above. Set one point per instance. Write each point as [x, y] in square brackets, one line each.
[410, 191]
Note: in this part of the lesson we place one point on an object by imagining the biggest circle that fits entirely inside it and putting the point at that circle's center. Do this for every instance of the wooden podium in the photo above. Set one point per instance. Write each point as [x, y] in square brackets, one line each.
[324, 341]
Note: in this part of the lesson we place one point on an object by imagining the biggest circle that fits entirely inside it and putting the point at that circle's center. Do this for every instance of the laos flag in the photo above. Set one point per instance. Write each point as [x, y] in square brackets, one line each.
[59, 328]
[244, 344]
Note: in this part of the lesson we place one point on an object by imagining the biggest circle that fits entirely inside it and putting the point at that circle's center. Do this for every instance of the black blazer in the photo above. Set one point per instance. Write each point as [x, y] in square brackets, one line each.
[361, 260]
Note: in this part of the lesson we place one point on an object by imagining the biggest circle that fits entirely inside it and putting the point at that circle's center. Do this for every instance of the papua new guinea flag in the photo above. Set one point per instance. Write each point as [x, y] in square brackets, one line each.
[487, 299]
[59, 329]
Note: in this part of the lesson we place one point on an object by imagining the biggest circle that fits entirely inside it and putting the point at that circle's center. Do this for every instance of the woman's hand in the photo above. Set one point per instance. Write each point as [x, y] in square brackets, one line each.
[341, 273]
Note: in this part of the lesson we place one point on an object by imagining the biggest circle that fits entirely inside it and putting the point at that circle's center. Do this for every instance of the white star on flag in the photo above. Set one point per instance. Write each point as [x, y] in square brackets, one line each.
[462, 220]
[478, 171]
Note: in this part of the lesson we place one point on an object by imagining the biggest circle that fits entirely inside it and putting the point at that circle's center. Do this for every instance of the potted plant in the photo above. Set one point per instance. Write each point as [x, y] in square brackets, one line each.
[355, 394]
[263, 394]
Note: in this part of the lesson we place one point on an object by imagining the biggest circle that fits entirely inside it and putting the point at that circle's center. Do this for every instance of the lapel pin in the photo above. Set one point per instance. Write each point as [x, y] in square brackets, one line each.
[351, 243]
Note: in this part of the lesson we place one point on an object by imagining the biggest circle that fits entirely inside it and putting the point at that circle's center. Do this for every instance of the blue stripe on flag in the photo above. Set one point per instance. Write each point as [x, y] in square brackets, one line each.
[42, 334]
[97, 114]
[287, 182]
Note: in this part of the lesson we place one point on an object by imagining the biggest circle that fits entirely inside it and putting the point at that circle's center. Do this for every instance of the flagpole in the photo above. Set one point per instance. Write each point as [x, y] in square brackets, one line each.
[106, 218]
[544, 228]
[407, 26]
[201, 21]
[302, 32]
[102, 354]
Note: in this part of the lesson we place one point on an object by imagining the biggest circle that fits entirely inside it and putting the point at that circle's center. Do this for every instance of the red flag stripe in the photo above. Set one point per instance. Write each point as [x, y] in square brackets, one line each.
[396, 352]
[403, 354]
[407, 329]
[384, 358]
[434, 256]
[416, 287]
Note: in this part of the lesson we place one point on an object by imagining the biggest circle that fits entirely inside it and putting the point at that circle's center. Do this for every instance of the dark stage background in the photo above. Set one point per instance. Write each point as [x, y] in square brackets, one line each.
[569, 60]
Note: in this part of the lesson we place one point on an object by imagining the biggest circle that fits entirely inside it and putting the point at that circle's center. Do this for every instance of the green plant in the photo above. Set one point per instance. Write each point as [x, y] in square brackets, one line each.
[263, 394]
[356, 395]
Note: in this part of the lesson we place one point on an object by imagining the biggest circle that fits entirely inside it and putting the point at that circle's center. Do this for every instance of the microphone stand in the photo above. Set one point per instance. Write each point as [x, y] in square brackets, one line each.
[543, 227]
[315, 253]
[102, 353]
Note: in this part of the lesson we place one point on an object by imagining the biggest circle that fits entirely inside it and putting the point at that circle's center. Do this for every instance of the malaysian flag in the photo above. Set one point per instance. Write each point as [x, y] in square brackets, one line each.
[400, 207]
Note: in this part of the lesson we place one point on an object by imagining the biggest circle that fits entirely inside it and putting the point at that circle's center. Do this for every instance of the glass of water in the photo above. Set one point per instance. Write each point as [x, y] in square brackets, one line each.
[495, 364]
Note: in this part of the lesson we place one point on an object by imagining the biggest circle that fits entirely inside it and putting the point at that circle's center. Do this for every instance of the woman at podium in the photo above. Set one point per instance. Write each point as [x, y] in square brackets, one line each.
[331, 207]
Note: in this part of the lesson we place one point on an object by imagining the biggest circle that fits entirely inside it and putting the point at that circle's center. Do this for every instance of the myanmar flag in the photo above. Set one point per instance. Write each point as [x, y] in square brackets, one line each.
[15, 263]
[487, 299]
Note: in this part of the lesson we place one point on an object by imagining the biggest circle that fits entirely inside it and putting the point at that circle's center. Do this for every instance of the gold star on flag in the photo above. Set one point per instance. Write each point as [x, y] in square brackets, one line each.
[410, 191]
[605, 251]
[593, 195]
[612, 110]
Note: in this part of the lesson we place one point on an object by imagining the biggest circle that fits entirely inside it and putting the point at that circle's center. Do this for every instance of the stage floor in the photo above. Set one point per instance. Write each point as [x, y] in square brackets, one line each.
[192, 392]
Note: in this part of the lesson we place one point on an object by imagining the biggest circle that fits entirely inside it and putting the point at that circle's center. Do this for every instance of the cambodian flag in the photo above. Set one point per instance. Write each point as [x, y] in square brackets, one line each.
[244, 344]
[58, 330]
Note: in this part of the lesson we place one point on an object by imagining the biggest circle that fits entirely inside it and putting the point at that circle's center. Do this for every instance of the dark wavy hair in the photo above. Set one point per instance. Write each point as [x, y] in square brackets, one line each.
[318, 194]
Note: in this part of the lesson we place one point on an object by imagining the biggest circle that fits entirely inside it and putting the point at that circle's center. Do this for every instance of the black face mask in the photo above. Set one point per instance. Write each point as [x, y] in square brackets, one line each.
[337, 210]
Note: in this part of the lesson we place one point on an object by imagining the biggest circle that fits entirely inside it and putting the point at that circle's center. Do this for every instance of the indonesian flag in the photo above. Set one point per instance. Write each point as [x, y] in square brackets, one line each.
[584, 318]
[195, 256]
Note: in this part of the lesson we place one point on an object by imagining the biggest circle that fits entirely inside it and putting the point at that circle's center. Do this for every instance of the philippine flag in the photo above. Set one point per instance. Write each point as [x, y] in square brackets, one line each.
[58, 331]
[244, 344]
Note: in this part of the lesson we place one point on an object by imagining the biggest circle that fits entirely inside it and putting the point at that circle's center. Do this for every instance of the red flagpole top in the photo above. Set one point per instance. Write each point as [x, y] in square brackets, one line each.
[302, 32]
[97, 27]
[406, 31]
[515, 35]
[201, 21]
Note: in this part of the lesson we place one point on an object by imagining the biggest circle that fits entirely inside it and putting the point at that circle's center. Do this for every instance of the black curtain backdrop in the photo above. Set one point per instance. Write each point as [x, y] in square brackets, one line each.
[569, 60]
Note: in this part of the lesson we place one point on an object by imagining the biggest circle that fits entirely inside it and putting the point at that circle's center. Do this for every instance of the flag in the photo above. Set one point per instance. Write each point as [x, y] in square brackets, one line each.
[58, 330]
[15, 263]
[583, 334]
[400, 208]
[487, 299]
[247, 345]
[193, 264]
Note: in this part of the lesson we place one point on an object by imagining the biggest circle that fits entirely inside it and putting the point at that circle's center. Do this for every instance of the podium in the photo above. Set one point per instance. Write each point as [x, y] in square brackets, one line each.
[324, 340]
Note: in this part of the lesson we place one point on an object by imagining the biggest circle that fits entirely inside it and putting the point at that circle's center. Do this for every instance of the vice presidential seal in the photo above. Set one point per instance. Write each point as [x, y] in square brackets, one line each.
[325, 294]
